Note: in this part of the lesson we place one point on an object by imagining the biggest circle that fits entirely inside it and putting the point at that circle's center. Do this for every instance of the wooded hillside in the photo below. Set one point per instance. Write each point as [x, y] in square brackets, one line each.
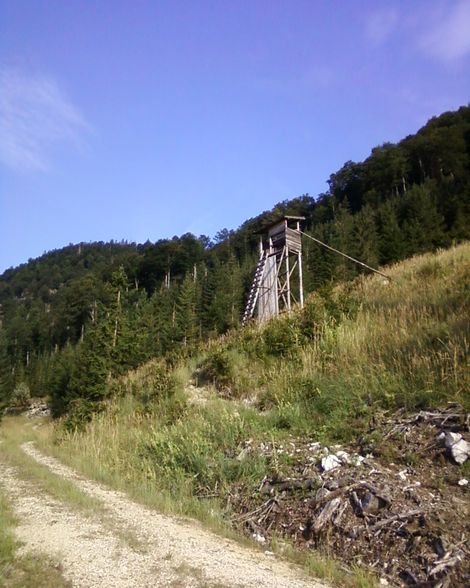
[76, 316]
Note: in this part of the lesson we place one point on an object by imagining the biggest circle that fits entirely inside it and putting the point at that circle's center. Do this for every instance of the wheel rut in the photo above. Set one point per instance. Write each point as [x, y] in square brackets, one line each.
[171, 551]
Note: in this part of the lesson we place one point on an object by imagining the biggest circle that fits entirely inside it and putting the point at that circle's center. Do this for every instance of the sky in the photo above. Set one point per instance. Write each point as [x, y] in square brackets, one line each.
[140, 120]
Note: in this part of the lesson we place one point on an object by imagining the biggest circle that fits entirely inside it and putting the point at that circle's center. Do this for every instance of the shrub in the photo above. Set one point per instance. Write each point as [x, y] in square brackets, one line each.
[80, 413]
[282, 336]
[21, 394]
[217, 368]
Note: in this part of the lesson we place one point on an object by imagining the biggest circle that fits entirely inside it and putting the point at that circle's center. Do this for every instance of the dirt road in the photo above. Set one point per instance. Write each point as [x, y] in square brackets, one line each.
[164, 550]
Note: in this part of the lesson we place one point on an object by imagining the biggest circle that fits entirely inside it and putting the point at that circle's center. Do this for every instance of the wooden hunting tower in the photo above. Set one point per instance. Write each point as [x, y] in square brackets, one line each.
[277, 283]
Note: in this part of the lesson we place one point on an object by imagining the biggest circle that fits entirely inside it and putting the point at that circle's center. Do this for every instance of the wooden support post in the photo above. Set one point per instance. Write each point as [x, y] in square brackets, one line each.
[301, 282]
[288, 279]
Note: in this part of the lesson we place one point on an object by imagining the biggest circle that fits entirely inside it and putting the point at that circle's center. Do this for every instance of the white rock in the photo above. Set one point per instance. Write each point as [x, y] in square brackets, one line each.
[460, 451]
[343, 456]
[463, 482]
[330, 462]
[357, 460]
[451, 439]
[259, 538]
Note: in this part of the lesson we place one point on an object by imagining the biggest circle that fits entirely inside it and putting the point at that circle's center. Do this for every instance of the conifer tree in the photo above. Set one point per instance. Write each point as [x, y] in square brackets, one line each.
[58, 380]
[422, 224]
[391, 246]
[6, 379]
[364, 240]
[186, 312]
[341, 237]
[92, 364]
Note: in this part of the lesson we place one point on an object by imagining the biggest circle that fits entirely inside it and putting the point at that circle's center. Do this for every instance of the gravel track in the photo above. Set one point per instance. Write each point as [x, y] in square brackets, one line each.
[176, 552]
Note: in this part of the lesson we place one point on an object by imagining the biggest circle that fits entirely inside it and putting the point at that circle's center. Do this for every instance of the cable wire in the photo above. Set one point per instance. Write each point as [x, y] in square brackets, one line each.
[347, 256]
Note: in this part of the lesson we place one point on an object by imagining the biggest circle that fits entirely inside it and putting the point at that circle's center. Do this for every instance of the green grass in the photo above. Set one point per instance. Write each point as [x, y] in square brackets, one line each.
[17, 430]
[356, 350]
[14, 431]
[325, 567]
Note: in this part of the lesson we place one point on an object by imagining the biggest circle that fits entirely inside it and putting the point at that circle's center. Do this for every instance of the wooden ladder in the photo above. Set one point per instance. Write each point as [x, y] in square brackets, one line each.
[254, 290]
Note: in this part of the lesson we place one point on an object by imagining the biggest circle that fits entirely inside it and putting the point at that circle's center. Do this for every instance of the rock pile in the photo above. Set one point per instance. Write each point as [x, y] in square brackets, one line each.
[32, 410]
[37, 409]
[401, 508]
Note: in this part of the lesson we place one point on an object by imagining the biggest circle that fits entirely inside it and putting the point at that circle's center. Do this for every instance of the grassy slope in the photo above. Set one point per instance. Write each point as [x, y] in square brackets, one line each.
[324, 373]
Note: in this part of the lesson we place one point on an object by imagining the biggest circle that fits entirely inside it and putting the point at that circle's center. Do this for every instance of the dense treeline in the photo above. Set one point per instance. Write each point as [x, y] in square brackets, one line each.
[74, 317]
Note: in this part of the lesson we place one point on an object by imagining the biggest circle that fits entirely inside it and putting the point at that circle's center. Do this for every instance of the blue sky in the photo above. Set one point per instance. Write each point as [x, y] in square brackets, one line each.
[142, 119]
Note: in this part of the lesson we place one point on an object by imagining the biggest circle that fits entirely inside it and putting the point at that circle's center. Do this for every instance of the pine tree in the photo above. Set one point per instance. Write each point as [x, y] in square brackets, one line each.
[58, 380]
[226, 303]
[341, 237]
[422, 224]
[6, 379]
[364, 240]
[92, 364]
[186, 312]
[391, 246]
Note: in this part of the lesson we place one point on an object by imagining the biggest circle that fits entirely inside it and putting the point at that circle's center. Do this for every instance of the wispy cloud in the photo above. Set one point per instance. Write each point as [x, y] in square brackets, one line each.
[448, 36]
[438, 31]
[35, 117]
[381, 24]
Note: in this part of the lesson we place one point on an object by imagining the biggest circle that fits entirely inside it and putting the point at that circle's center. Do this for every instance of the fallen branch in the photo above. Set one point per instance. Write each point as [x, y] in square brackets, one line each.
[326, 514]
[290, 485]
[391, 519]
[445, 563]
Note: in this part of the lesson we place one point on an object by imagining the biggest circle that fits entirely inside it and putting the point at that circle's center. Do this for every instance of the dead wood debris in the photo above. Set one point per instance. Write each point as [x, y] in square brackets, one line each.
[402, 510]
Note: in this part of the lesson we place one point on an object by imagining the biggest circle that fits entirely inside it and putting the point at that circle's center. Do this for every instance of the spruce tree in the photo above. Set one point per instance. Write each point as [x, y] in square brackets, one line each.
[92, 364]
[364, 239]
[422, 224]
[391, 246]
[186, 312]
[6, 379]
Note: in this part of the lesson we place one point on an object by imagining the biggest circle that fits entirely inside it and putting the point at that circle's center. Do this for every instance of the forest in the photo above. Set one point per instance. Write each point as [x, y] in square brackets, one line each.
[78, 316]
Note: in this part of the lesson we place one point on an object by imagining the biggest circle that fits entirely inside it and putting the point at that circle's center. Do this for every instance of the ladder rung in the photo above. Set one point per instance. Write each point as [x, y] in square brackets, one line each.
[254, 289]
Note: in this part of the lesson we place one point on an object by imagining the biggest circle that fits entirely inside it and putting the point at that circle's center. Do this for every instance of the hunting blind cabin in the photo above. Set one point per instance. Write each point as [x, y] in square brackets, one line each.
[277, 283]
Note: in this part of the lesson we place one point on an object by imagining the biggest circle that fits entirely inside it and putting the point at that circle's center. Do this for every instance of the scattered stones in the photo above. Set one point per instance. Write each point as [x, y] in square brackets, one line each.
[38, 409]
[343, 456]
[31, 410]
[259, 538]
[330, 462]
[402, 510]
[356, 460]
